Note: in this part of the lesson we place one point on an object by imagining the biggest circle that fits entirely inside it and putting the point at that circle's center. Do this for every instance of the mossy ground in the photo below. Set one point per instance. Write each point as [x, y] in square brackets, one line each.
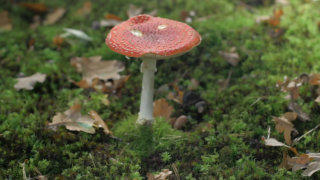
[229, 148]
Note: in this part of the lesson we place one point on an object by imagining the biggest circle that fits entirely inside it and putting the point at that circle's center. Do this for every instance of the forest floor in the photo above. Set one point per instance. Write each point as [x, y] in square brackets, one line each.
[258, 60]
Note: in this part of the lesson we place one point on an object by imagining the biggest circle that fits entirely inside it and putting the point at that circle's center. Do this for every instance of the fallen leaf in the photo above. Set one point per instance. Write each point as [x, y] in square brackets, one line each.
[54, 16]
[58, 41]
[109, 23]
[314, 79]
[284, 125]
[100, 75]
[163, 175]
[177, 96]
[73, 120]
[161, 108]
[76, 33]
[262, 19]
[85, 9]
[29, 82]
[5, 21]
[293, 106]
[180, 122]
[282, 2]
[232, 57]
[299, 162]
[36, 21]
[284, 163]
[134, 10]
[35, 7]
[41, 177]
[273, 142]
[99, 122]
[113, 17]
[274, 21]
[311, 168]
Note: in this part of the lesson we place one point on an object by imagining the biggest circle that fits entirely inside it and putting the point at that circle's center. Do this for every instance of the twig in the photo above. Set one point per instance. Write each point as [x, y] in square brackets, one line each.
[175, 170]
[299, 138]
[24, 175]
[94, 164]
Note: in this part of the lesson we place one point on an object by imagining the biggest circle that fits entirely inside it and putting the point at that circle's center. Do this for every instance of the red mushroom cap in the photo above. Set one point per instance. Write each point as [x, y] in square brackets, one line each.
[147, 36]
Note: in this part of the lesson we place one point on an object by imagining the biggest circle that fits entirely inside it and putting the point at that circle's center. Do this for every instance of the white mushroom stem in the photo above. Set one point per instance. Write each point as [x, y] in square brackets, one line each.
[148, 68]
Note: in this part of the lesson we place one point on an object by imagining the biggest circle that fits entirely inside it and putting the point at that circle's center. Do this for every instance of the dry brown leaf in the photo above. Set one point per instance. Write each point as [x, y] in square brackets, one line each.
[113, 17]
[134, 10]
[317, 99]
[85, 9]
[314, 79]
[311, 168]
[97, 73]
[284, 163]
[275, 20]
[5, 21]
[58, 41]
[161, 108]
[54, 16]
[284, 125]
[73, 120]
[232, 57]
[35, 7]
[180, 122]
[29, 82]
[163, 175]
[177, 96]
[99, 122]
[293, 106]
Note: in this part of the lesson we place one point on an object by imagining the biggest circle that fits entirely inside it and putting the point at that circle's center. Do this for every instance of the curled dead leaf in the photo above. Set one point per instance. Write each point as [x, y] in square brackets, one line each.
[284, 125]
[73, 120]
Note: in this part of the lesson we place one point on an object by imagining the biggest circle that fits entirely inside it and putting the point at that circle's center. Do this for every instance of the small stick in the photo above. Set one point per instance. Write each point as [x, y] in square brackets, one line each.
[92, 160]
[175, 170]
[299, 138]
[24, 175]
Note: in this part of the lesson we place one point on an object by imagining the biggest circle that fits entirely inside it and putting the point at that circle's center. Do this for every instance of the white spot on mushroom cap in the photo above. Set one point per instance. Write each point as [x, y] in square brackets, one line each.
[161, 27]
[136, 32]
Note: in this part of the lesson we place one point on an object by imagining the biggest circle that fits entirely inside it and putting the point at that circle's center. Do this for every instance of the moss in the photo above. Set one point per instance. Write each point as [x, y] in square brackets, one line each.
[224, 142]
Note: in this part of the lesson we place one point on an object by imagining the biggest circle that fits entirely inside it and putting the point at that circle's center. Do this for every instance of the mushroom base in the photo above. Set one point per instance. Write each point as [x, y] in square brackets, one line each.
[148, 68]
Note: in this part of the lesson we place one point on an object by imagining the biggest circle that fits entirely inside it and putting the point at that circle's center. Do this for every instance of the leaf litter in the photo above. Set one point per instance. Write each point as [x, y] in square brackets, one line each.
[28, 83]
[100, 75]
[73, 120]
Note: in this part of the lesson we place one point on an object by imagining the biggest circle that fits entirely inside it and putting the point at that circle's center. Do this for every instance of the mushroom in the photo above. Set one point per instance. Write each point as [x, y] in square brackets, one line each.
[151, 38]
